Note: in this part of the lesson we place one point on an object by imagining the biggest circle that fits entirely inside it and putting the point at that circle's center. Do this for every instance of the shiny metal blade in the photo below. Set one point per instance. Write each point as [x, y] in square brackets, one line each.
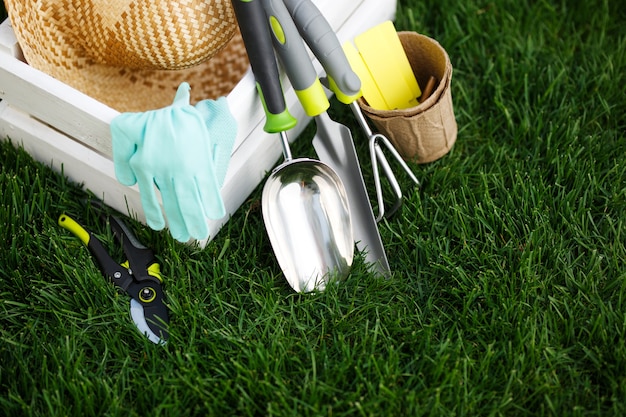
[139, 318]
[334, 146]
[307, 217]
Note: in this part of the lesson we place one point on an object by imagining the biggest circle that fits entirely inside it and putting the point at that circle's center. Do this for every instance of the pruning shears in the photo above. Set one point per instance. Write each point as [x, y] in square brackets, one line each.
[139, 276]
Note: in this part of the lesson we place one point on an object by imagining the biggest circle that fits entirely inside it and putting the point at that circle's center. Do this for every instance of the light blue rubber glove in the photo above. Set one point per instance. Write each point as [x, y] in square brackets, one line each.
[182, 150]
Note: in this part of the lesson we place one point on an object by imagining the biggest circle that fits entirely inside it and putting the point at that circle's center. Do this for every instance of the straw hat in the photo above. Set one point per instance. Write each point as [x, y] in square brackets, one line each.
[132, 54]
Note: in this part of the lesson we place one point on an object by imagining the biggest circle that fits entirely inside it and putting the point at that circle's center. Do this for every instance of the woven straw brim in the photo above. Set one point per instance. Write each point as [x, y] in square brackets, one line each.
[50, 46]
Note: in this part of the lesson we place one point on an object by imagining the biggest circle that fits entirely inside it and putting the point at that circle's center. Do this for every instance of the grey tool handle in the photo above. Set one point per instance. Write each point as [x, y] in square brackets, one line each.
[295, 58]
[323, 41]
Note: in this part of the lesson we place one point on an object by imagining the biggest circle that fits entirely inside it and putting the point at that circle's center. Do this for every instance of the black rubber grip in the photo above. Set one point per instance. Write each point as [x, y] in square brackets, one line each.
[256, 36]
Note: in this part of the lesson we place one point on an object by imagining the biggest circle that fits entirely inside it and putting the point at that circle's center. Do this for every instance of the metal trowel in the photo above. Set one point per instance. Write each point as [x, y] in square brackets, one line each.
[333, 141]
[305, 206]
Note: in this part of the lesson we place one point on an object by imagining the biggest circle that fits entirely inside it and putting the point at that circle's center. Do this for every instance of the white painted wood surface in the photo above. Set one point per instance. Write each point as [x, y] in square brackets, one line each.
[69, 130]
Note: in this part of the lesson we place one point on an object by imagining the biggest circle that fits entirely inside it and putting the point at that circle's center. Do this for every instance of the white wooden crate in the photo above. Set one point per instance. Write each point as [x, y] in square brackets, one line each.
[69, 130]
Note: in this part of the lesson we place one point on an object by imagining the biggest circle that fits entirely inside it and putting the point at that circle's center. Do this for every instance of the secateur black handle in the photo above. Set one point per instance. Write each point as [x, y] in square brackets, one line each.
[109, 267]
[141, 259]
[254, 27]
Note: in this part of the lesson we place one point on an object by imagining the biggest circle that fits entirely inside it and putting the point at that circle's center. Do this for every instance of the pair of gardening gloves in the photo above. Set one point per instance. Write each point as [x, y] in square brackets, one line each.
[181, 150]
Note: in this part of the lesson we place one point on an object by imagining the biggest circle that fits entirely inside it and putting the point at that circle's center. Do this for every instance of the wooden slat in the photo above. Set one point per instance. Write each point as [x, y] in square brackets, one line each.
[69, 131]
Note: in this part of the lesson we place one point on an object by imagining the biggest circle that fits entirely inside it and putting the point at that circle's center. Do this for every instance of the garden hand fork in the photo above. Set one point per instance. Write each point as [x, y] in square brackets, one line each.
[377, 156]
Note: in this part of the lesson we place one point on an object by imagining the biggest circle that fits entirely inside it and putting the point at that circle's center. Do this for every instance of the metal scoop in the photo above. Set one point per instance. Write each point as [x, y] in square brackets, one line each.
[307, 217]
[305, 206]
[294, 22]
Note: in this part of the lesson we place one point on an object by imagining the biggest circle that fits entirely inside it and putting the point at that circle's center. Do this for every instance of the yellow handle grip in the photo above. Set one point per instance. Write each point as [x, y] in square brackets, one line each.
[70, 224]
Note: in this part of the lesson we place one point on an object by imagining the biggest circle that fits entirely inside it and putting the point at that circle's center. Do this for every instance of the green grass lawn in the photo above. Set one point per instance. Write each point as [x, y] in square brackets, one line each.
[509, 289]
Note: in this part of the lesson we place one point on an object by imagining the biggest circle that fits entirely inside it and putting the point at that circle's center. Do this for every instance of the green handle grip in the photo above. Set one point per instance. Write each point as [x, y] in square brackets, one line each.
[77, 230]
[256, 36]
[323, 41]
[103, 259]
[295, 59]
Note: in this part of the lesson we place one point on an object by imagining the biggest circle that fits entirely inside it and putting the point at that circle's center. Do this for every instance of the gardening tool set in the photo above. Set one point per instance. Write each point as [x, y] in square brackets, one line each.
[288, 25]
[315, 211]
